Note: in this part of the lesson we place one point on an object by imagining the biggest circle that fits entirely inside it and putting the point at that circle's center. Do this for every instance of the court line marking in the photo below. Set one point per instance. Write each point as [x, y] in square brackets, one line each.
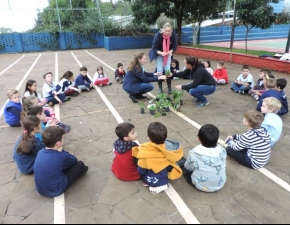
[21, 82]
[59, 201]
[12, 65]
[171, 192]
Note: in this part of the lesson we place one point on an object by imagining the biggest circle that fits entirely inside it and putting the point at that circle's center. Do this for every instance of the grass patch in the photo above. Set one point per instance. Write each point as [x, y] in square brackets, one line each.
[236, 50]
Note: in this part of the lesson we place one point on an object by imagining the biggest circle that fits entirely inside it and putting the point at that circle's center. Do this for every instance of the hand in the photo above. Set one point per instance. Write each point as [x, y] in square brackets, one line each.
[164, 53]
[59, 101]
[170, 75]
[163, 77]
[170, 53]
[43, 102]
[229, 138]
[91, 85]
[158, 73]
[53, 123]
[179, 87]
[236, 82]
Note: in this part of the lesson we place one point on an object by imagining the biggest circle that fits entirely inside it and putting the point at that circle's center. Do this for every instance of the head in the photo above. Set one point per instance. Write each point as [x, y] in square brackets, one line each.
[253, 119]
[264, 72]
[267, 77]
[31, 125]
[245, 70]
[48, 77]
[13, 96]
[209, 135]
[120, 66]
[138, 60]
[67, 75]
[126, 132]
[281, 84]
[174, 63]
[167, 29]
[36, 111]
[270, 83]
[191, 62]
[84, 71]
[271, 105]
[157, 133]
[31, 86]
[207, 64]
[220, 65]
[53, 137]
[100, 70]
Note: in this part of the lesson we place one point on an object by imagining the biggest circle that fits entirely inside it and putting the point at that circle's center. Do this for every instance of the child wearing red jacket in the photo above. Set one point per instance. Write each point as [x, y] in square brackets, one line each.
[221, 74]
[124, 166]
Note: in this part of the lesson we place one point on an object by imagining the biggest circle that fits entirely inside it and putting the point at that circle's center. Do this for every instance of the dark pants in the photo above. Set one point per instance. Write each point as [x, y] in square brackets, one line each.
[75, 172]
[241, 156]
[70, 92]
[187, 175]
[17, 124]
[53, 100]
[168, 80]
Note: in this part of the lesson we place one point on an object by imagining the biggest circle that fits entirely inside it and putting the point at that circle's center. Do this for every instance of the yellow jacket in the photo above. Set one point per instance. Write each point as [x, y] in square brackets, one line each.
[156, 157]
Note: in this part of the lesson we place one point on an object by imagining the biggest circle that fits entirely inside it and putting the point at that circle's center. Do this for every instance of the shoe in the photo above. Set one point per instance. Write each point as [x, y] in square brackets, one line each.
[169, 91]
[133, 98]
[88, 90]
[110, 83]
[242, 92]
[141, 97]
[160, 91]
[203, 104]
[145, 185]
[74, 94]
[50, 103]
[67, 98]
[86, 168]
[157, 190]
[175, 78]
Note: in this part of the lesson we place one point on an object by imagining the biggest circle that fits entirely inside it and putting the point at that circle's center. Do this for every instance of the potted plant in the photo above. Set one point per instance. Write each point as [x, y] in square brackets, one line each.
[141, 104]
[177, 104]
[152, 109]
[167, 106]
[163, 112]
[167, 73]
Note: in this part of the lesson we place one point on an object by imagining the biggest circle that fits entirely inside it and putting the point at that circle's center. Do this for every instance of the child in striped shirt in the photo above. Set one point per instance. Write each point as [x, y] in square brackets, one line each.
[251, 149]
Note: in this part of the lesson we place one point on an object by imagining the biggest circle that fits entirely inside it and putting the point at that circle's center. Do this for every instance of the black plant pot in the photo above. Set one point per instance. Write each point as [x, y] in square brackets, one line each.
[181, 102]
[163, 114]
[167, 109]
[142, 111]
[157, 99]
[152, 112]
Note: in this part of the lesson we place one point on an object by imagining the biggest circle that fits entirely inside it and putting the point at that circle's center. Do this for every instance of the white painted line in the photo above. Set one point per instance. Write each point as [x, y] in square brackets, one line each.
[21, 82]
[59, 202]
[11, 65]
[171, 192]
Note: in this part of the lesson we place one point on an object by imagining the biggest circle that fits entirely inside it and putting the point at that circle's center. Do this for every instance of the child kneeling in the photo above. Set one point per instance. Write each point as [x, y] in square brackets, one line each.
[55, 170]
[205, 166]
[157, 159]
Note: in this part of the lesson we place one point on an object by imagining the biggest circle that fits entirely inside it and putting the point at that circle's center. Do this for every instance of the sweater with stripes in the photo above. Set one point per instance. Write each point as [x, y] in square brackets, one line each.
[257, 144]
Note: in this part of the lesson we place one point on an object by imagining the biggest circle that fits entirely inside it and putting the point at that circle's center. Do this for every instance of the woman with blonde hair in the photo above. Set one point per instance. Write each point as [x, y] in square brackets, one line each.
[137, 81]
[164, 45]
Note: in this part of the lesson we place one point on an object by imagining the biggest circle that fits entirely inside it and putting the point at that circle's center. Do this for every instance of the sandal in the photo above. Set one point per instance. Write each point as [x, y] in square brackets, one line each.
[157, 190]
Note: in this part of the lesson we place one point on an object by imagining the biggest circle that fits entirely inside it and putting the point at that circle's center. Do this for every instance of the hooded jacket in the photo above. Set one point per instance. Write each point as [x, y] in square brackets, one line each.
[157, 163]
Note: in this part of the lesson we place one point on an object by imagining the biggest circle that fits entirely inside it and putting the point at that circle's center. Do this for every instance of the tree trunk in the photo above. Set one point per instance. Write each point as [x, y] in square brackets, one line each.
[179, 24]
[247, 34]
[198, 32]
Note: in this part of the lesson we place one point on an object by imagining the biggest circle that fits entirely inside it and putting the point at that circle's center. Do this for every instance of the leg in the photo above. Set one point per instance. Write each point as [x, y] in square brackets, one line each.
[202, 90]
[98, 82]
[160, 86]
[70, 92]
[159, 64]
[82, 87]
[240, 156]
[236, 87]
[75, 172]
[17, 124]
[169, 85]
[187, 175]
[146, 87]
[51, 100]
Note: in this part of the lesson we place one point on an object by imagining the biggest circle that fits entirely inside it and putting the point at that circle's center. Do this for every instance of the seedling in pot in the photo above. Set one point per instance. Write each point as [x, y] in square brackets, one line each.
[152, 109]
[141, 104]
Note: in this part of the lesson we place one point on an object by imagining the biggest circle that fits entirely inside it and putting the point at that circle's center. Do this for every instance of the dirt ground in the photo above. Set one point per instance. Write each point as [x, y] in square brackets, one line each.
[248, 197]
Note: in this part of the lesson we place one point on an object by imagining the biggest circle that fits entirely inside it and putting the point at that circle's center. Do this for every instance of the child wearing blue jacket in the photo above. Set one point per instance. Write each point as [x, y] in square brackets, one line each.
[82, 81]
[12, 109]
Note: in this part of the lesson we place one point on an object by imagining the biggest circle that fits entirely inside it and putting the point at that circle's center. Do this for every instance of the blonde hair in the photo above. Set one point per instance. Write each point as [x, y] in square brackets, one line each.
[165, 26]
[11, 93]
[135, 64]
[271, 83]
[254, 118]
[273, 103]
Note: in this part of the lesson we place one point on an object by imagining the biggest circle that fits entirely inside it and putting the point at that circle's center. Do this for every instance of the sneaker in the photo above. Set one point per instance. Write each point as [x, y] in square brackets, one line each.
[175, 78]
[50, 103]
[203, 104]
[88, 90]
[100, 85]
[74, 94]
[110, 83]
[157, 190]
[242, 92]
[67, 98]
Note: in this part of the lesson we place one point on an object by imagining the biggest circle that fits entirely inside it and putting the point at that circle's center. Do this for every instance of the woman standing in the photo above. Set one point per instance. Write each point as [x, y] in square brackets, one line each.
[203, 82]
[137, 81]
[164, 45]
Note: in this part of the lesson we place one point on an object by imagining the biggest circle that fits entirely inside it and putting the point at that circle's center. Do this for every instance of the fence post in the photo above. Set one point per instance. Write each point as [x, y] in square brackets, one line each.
[62, 42]
[18, 42]
[288, 43]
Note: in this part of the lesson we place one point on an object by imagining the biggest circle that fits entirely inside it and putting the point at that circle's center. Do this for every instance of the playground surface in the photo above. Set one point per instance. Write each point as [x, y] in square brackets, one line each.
[273, 45]
[249, 196]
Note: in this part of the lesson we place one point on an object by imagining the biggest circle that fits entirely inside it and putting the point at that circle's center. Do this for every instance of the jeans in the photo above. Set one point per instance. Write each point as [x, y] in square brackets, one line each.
[84, 87]
[202, 90]
[53, 100]
[239, 87]
[241, 156]
[160, 64]
[144, 88]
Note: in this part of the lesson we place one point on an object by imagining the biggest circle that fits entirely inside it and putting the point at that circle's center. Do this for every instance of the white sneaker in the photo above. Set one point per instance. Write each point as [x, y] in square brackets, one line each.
[157, 190]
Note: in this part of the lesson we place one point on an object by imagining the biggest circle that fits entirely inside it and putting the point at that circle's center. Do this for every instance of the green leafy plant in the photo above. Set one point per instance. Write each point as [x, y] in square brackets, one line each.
[167, 73]
[152, 108]
[141, 104]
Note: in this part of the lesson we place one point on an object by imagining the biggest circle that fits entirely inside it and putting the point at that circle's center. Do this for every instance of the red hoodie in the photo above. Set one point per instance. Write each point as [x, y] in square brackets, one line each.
[221, 74]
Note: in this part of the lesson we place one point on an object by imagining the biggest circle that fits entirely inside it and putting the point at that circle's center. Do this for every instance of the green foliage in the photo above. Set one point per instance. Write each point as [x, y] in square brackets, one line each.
[152, 107]
[141, 104]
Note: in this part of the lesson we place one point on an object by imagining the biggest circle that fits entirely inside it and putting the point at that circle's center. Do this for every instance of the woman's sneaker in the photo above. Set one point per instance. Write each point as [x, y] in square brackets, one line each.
[203, 104]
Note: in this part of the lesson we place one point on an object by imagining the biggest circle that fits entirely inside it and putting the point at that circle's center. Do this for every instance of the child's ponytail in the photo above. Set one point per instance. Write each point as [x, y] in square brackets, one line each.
[29, 124]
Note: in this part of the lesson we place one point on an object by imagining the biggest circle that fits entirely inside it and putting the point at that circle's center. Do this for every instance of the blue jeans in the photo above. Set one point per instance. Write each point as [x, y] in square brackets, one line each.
[239, 87]
[202, 90]
[160, 65]
[144, 88]
[53, 100]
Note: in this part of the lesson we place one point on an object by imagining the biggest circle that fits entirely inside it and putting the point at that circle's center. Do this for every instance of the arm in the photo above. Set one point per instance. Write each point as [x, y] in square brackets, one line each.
[69, 160]
[88, 80]
[143, 77]
[182, 74]
[239, 142]
[198, 76]
[189, 164]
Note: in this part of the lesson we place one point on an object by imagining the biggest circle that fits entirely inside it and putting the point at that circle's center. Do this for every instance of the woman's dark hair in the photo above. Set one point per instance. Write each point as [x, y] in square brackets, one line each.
[135, 64]
[67, 75]
[123, 130]
[157, 133]
[27, 140]
[52, 135]
[208, 135]
[193, 61]
[29, 83]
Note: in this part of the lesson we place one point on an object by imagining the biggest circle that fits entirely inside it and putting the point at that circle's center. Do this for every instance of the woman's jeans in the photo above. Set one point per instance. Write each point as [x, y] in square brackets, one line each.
[239, 87]
[160, 63]
[144, 88]
[202, 90]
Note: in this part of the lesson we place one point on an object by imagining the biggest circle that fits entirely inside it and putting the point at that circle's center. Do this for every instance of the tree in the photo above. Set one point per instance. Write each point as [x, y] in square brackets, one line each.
[255, 13]
[4, 30]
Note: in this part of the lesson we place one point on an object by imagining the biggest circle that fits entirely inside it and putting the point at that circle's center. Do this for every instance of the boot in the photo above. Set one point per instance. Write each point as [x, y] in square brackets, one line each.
[133, 98]
[160, 87]
[169, 86]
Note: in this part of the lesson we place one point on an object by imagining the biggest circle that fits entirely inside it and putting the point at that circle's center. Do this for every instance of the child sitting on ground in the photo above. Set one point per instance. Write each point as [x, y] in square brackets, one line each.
[120, 73]
[101, 79]
[157, 159]
[280, 85]
[55, 170]
[272, 122]
[51, 91]
[123, 165]
[205, 166]
[67, 85]
[251, 149]
[207, 66]
[83, 82]
[221, 74]
[260, 85]
[31, 89]
[12, 109]
[244, 83]
[28, 145]
[174, 68]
